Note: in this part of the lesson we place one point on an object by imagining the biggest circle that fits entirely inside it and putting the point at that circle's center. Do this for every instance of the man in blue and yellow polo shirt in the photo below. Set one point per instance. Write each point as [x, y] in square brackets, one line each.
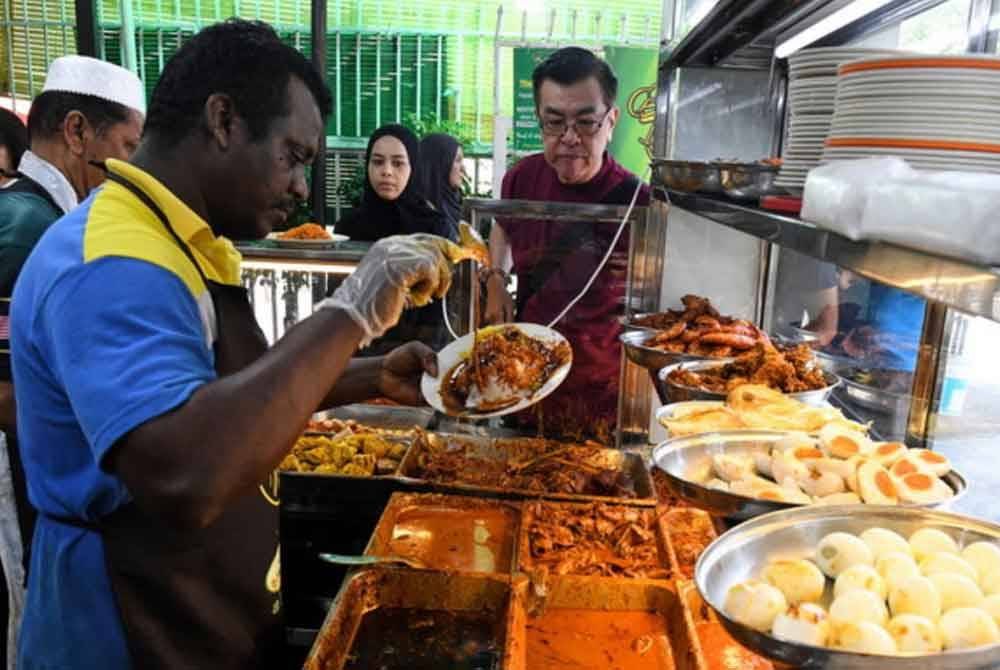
[148, 407]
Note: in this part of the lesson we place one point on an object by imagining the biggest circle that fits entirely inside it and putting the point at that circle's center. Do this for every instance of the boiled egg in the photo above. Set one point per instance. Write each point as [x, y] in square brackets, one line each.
[794, 440]
[762, 462]
[841, 468]
[838, 551]
[913, 633]
[805, 623]
[755, 604]
[927, 541]
[907, 465]
[932, 461]
[968, 627]
[788, 492]
[884, 541]
[875, 485]
[957, 591]
[915, 595]
[784, 465]
[985, 558]
[859, 605]
[821, 484]
[750, 486]
[798, 580]
[887, 453]
[943, 562]
[731, 468]
[806, 454]
[992, 606]
[896, 566]
[863, 637]
[847, 498]
[990, 582]
[863, 577]
[922, 488]
[841, 442]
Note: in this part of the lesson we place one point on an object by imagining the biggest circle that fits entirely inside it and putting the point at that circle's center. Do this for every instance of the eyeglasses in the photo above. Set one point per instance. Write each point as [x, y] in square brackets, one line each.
[582, 127]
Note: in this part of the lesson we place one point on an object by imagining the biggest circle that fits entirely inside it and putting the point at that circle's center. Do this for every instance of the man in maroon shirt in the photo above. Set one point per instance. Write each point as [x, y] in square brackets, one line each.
[575, 102]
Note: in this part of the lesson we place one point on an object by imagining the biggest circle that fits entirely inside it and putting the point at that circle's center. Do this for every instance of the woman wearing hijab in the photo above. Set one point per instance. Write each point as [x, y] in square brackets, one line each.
[392, 203]
[13, 143]
[441, 172]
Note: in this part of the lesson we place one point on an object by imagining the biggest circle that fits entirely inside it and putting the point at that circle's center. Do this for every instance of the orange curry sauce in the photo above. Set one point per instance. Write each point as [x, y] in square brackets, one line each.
[597, 640]
[452, 538]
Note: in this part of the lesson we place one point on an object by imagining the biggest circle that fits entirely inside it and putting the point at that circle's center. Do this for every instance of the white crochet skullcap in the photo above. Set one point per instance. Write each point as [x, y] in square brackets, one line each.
[90, 76]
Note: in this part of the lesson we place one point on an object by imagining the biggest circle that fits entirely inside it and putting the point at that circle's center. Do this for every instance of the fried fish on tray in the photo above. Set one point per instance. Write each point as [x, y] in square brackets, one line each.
[594, 540]
[504, 367]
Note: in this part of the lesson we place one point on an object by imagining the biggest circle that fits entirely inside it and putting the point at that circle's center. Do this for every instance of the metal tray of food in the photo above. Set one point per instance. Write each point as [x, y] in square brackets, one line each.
[689, 532]
[651, 358]
[577, 622]
[748, 181]
[449, 533]
[711, 643]
[685, 460]
[672, 392]
[487, 460]
[873, 397]
[612, 523]
[362, 455]
[742, 553]
[687, 176]
[400, 619]
[391, 417]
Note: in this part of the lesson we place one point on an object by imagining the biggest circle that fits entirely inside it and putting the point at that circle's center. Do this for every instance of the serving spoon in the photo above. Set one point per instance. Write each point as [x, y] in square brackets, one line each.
[343, 559]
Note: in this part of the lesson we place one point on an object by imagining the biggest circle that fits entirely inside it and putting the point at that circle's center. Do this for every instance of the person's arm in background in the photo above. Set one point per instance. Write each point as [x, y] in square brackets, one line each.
[499, 304]
[826, 322]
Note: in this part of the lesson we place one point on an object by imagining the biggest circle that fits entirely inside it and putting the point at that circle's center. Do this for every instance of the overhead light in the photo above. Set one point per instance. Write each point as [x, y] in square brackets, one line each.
[827, 25]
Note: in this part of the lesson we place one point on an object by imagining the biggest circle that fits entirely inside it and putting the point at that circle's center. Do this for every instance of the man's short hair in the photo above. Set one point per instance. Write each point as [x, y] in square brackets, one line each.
[571, 65]
[49, 110]
[245, 60]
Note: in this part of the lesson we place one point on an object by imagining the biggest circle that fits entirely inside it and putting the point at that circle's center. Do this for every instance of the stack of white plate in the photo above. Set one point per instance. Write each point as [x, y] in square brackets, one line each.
[937, 112]
[812, 93]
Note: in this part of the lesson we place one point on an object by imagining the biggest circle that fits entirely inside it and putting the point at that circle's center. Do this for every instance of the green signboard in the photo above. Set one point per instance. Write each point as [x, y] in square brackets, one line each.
[632, 142]
[527, 134]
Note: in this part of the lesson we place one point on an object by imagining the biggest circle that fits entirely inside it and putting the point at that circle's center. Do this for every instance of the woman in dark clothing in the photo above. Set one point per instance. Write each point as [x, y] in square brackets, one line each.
[392, 203]
[441, 172]
[13, 143]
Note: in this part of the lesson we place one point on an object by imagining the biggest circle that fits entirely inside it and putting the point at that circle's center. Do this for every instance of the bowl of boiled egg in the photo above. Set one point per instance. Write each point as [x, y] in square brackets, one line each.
[847, 586]
[742, 474]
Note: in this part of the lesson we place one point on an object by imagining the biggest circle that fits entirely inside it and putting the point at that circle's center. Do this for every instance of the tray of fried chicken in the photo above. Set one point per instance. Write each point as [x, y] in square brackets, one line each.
[526, 467]
[696, 332]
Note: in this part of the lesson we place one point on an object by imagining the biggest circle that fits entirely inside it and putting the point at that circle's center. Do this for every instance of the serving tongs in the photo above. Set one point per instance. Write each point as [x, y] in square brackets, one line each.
[344, 559]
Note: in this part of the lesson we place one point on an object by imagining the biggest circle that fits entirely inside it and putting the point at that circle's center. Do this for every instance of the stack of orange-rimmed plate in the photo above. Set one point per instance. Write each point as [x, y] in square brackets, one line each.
[937, 112]
[811, 93]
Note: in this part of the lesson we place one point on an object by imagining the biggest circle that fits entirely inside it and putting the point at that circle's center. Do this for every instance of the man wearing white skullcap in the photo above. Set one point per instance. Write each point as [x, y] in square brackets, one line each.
[88, 111]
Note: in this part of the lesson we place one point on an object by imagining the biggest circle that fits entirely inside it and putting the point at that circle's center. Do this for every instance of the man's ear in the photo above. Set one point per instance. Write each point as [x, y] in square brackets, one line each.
[76, 131]
[220, 118]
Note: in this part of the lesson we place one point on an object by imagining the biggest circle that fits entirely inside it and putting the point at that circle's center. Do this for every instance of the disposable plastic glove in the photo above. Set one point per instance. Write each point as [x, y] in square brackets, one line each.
[397, 272]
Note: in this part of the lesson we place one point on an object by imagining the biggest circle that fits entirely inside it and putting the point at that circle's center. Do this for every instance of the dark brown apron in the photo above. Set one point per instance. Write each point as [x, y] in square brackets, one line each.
[206, 598]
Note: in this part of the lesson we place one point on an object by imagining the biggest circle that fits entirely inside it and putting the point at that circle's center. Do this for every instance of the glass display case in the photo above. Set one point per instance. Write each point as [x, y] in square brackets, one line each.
[910, 333]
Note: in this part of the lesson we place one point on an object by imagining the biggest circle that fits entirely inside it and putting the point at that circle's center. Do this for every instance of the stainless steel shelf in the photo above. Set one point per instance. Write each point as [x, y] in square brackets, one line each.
[970, 288]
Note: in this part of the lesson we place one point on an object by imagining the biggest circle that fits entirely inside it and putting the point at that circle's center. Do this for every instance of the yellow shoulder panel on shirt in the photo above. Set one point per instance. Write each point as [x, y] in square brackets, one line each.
[119, 224]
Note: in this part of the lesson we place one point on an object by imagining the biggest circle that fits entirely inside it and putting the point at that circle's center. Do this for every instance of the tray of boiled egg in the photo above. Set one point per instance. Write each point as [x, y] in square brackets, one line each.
[742, 474]
[857, 587]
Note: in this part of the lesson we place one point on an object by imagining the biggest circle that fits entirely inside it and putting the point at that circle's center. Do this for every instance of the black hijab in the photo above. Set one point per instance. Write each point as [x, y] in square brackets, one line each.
[377, 217]
[437, 155]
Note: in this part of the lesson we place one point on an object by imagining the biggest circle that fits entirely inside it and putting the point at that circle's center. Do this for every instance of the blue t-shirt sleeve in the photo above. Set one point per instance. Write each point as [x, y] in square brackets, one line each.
[126, 340]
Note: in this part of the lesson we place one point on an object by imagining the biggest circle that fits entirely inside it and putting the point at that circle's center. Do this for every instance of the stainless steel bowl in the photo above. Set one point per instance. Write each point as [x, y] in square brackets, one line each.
[747, 181]
[677, 393]
[651, 358]
[687, 176]
[743, 552]
[687, 462]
